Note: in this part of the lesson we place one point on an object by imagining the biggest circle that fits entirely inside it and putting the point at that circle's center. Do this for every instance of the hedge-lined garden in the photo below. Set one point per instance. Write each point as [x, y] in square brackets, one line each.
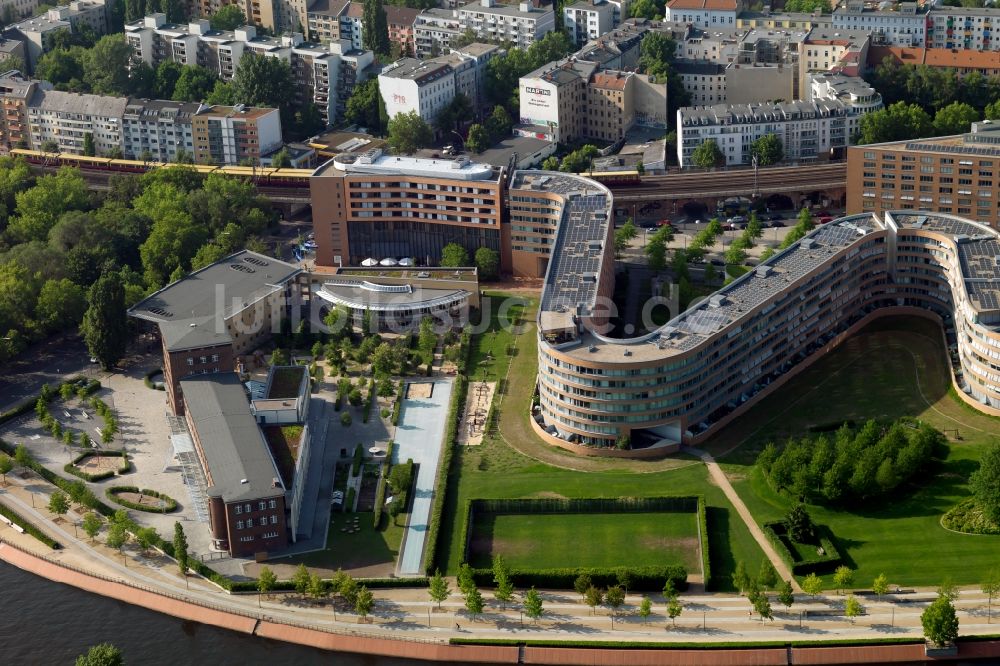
[123, 468]
[168, 503]
[444, 466]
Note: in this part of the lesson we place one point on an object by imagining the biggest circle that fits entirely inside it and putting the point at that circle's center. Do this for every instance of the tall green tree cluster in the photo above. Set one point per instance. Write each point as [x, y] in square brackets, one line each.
[496, 128]
[503, 72]
[933, 88]
[375, 33]
[852, 466]
[656, 59]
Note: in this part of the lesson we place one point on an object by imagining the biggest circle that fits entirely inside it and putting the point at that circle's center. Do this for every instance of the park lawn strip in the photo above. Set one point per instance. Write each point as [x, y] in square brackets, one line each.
[900, 536]
[551, 540]
[366, 548]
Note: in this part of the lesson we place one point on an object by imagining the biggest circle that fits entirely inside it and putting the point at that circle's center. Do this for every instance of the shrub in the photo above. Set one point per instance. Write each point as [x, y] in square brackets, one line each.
[70, 468]
[369, 401]
[398, 404]
[28, 528]
[643, 578]
[379, 502]
[169, 503]
[444, 466]
[148, 379]
[345, 419]
[359, 456]
[384, 412]
[776, 532]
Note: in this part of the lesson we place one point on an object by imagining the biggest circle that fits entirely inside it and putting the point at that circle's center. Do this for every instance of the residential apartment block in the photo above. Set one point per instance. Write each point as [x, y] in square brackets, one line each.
[963, 61]
[38, 32]
[16, 93]
[952, 174]
[324, 75]
[704, 13]
[158, 130]
[434, 30]
[820, 128]
[422, 86]
[586, 20]
[521, 25]
[903, 26]
[67, 118]
[971, 28]
[572, 99]
[235, 134]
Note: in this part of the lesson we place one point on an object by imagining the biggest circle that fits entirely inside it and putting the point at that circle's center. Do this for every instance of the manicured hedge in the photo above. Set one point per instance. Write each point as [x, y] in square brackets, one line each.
[775, 531]
[379, 501]
[369, 401]
[706, 560]
[70, 468]
[444, 469]
[645, 578]
[708, 645]
[112, 494]
[397, 406]
[370, 583]
[29, 528]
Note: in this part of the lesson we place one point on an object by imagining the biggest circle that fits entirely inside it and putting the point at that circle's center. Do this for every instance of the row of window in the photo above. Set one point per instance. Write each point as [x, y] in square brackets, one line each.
[248, 524]
[262, 505]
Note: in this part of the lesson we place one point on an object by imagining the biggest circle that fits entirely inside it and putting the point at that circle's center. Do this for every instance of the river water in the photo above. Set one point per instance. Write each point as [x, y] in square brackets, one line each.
[48, 623]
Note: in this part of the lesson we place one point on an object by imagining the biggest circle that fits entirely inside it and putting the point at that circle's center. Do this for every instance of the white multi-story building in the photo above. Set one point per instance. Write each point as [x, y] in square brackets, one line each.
[704, 13]
[963, 28]
[157, 129]
[67, 118]
[423, 86]
[434, 31]
[704, 82]
[586, 20]
[38, 31]
[905, 26]
[720, 45]
[521, 25]
[809, 129]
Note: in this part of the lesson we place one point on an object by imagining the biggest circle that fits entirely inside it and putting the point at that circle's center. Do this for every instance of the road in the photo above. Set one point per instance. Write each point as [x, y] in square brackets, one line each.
[707, 184]
[46, 363]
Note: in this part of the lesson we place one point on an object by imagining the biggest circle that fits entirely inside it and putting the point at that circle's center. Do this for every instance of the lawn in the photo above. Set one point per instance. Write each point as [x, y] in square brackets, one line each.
[368, 552]
[893, 368]
[549, 541]
[489, 348]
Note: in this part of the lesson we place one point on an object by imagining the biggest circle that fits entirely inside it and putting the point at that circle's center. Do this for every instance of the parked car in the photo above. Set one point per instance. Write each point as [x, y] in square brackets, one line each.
[664, 223]
[737, 219]
[775, 223]
[823, 219]
[715, 261]
[773, 216]
[646, 224]
[736, 226]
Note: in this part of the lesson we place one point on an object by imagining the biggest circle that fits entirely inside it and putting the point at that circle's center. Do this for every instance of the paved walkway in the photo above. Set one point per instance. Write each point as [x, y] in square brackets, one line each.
[722, 481]
[419, 436]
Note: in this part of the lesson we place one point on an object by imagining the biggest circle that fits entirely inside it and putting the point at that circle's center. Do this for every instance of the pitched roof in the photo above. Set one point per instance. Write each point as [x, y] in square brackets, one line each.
[239, 462]
[611, 80]
[955, 58]
[401, 15]
[716, 5]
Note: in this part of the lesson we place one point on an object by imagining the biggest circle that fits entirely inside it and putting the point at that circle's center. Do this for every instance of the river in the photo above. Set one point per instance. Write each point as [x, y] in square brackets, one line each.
[49, 623]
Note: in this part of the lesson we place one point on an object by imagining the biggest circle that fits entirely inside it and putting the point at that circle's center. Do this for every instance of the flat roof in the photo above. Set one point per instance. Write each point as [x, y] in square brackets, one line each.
[371, 295]
[377, 162]
[411, 273]
[507, 10]
[421, 71]
[187, 310]
[239, 462]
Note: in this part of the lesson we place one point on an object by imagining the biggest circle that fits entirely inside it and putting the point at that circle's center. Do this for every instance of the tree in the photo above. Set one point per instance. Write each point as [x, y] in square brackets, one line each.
[454, 255]
[88, 144]
[195, 83]
[263, 81]
[504, 592]
[991, 587]
[408, 132]
[478, 139]
[266, 581]
[985, 484]
[488, 262]
[992, 111]
[812, 585]
[474, 602]
[105, 328]
[348, 589]
[940, 622]
[852, 608]
[466, 583]
[582, 583]
[228, 17]
[533, 607]
[674, 609]
[375, 31]
[117, 537]
[104, 654]
[363, 106]
[880, 585]
[6, 464]
[763, 608]
[956, 118]
[281, 159]
[625, 234]
[800, 525]
[317, 587]
[767, 576]
[365, 602]
[58, 503]
[614, 597]
[768, 150]
[40, 207]
[708, 155]
[645, 608]
[897, 122]
[106, 66]
[550, 163]
[948, 589]
[92, 523]
[593, 597]
[625, 578]
[741, 578]
[146, 538]
[180, 548]
[786, 596]
[300, 579]
[438, 588]
[61, 304]
[843, 577]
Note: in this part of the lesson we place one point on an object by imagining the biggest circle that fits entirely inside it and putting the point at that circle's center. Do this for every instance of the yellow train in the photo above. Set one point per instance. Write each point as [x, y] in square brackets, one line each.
[265, 176]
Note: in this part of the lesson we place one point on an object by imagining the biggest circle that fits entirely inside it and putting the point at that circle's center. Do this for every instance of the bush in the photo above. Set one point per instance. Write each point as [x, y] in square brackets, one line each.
[706, 560]
[776, 532]
[401, 480]
[397, 406]
[148, 380]
[369, 401]
[112, 494]
[444, 467]
[968, 518]
[70, 468]
[644, 578]
[379, 503]
[384, 412]
[345, 419]
[359, 456]
[28, 528]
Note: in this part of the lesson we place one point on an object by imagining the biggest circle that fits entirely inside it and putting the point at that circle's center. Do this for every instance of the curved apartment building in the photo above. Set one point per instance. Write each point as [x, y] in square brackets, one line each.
[711, 362]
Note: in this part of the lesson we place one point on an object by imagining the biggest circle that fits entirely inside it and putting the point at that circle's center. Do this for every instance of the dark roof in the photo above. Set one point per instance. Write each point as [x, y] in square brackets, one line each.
[186, 310]
[328, 7]
[400, 15]
[240, 465]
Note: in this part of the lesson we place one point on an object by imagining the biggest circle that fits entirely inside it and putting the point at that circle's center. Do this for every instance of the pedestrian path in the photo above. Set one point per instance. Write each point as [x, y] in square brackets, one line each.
[722, 481]
[420, 436]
